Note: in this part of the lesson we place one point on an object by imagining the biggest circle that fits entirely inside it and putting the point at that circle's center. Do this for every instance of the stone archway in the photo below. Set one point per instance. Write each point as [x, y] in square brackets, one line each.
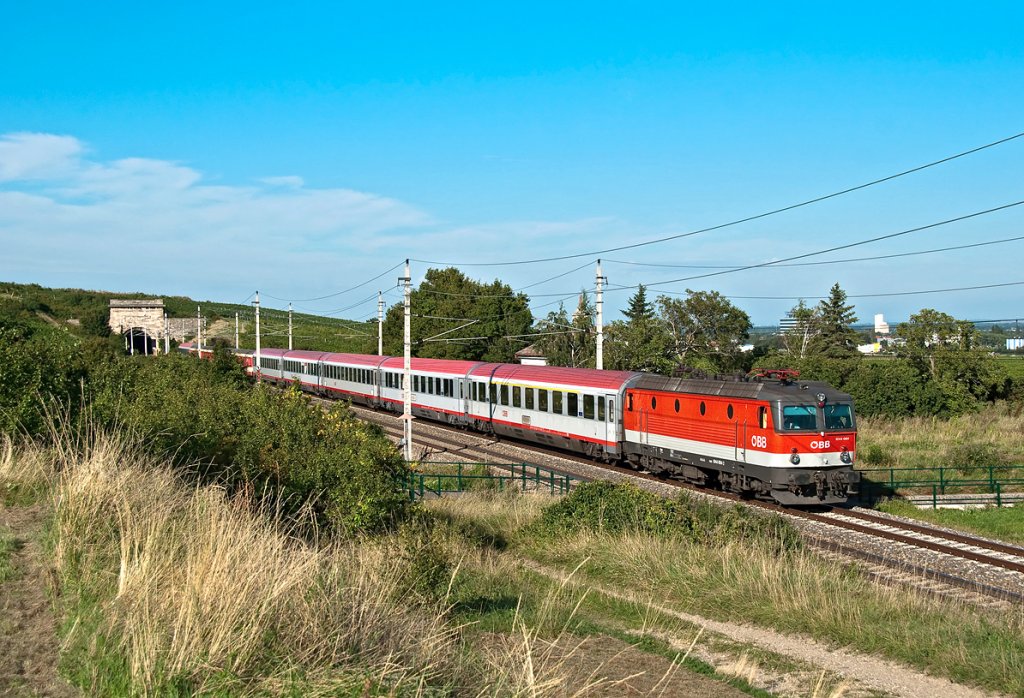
[140, 322]
[138, 341]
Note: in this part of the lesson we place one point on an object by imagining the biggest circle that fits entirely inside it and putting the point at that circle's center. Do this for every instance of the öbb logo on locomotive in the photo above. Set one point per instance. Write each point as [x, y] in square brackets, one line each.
[770, 436]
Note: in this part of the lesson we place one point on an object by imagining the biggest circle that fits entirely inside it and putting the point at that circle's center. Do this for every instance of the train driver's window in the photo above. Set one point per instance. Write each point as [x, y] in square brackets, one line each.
[799, 417]
[762, 417]
[542, 400]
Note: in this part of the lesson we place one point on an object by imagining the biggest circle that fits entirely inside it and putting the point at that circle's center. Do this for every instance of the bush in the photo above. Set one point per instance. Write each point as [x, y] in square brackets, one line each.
[617, 508]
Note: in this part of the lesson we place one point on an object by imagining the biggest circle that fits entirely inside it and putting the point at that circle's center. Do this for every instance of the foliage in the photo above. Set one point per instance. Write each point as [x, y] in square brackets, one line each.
[569, 341]
[325, 463]
[616, 508]
[641, 342]
[456, 317]
[797, 339]
[705, 326]
[38, 364]
[834, 338]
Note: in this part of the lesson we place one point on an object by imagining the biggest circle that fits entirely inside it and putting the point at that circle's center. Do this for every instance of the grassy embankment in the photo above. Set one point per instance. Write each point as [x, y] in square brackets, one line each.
[724, 574]
[169, 588]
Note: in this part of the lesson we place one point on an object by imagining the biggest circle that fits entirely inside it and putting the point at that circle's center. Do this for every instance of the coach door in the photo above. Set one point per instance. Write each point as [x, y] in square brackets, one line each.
[464, 396]
[611, 432]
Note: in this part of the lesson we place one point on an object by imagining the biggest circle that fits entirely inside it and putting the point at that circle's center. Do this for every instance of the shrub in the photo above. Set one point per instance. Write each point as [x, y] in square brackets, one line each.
[617, 508]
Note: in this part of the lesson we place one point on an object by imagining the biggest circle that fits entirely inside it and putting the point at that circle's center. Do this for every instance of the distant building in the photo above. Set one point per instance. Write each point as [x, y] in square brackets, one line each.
[881, 326]
[529, 356]
[1014, 344]
[870, 348]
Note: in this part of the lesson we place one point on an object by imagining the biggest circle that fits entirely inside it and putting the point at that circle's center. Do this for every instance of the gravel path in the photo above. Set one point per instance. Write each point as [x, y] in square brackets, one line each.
[867, 671]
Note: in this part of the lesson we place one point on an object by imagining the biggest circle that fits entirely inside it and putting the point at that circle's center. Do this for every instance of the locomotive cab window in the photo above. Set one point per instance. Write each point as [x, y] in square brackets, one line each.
[838, 416]
[762, 417]
[799, 418]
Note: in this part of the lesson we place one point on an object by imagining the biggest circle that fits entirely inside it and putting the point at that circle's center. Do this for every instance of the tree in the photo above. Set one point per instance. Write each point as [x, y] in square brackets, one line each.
[569, 341]
[641, 342]
[947, 351]
[835, 339]
[705, 330]
[454, 317]
[797, 338]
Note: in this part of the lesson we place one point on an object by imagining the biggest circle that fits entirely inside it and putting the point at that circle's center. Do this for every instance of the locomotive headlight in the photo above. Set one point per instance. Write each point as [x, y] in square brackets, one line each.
[845, 456]
[795, 458]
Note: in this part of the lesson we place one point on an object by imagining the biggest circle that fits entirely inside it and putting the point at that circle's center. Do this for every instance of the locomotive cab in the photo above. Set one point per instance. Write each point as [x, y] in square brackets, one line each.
[818, 431]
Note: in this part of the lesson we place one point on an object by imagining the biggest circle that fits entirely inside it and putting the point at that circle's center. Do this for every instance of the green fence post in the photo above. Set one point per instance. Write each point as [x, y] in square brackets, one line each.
[942, 479]
[999, 495]
[892, 480]
[991, 478]
[460, 477]
[552, 473]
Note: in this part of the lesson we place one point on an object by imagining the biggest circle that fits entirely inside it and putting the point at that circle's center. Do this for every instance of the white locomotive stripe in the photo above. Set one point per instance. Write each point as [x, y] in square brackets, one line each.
[808, 460]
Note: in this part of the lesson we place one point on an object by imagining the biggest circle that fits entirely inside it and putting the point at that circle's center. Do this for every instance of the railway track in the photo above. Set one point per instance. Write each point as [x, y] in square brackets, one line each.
[901, 552]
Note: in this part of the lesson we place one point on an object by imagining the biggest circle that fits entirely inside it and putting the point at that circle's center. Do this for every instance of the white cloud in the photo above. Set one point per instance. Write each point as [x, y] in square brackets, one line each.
[288, 181]
[30, 156]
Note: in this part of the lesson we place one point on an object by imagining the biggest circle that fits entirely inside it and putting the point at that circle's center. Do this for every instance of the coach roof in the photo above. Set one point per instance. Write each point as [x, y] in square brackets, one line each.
[555, 375]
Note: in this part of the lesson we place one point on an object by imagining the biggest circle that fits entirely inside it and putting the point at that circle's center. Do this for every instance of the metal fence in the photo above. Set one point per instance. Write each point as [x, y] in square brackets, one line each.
[994, 484]
[520, 476]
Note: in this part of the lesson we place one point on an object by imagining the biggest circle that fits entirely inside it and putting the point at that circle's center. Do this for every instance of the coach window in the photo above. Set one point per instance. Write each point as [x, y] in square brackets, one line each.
[494, 394]
[728, 411]
[588, 406]
[600, 409]
[517, 396]
[556, 401]
[504, 395]
[574, 405]
[762, 417]
[449, 386]
[703, 408]
[542, 400]
[529, 398]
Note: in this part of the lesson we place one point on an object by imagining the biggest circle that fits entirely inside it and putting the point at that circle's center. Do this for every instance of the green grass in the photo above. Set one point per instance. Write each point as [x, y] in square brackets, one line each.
[1013, 365]
[1005, 523]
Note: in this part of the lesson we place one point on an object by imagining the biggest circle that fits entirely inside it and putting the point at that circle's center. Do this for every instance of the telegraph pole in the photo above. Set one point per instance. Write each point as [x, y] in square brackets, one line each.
[407, 368]
[289, 327]
[600, 317]
[236, 331]
[380, 324]
[199, 332]
[258, 367]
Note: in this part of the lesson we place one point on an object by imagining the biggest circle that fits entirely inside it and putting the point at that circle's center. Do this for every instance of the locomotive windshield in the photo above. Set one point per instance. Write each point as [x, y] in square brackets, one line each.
[838, 416]
[799, 417]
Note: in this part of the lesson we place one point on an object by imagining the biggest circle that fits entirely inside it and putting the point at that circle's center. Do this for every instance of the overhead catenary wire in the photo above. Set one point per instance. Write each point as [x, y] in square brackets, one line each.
[747, 219]
[338, 293]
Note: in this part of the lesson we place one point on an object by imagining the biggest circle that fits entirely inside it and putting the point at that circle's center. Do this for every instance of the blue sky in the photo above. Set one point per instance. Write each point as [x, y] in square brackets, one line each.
[213, 151]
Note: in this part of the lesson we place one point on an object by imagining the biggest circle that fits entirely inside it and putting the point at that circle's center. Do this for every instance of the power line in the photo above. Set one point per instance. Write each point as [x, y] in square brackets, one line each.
[869, 295]
[827, 250]
[740, 220]
[332, 295]
[831, 261]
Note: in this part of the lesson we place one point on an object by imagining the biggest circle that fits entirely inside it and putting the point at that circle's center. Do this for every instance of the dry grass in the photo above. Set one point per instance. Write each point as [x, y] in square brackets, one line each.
[930, 442]
[200, 590]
